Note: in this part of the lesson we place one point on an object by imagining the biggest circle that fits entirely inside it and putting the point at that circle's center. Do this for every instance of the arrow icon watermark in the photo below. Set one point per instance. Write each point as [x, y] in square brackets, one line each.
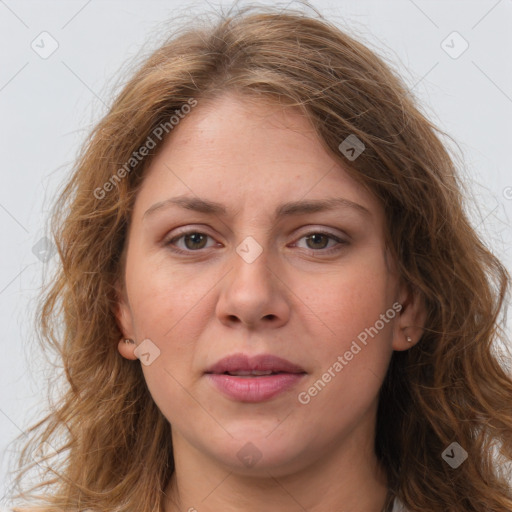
[147, 352]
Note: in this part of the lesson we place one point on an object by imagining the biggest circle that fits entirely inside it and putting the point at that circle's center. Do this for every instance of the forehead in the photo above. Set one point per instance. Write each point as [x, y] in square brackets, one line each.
[239, 150]
[244, 129]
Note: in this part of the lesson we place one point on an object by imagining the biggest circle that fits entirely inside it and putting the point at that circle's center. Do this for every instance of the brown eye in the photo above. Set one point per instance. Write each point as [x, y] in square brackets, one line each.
[322, 243]
[195, 240]
[317, 241]
[191, 241]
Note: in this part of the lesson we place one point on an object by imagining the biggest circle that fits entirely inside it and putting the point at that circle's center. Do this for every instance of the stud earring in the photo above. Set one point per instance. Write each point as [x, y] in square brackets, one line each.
[409, 339]
[129, 340]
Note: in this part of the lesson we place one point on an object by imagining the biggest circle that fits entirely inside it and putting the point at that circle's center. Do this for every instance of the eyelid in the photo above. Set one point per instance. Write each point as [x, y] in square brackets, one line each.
[313, 229]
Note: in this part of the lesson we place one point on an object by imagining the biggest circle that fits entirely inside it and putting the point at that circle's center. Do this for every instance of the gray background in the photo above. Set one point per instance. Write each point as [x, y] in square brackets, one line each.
[48, 105]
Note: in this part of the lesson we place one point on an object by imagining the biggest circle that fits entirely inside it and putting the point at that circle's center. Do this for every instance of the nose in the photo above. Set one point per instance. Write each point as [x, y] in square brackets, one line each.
[253, 295]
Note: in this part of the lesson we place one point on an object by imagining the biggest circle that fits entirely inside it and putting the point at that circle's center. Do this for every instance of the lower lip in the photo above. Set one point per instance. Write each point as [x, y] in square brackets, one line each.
[254, 389]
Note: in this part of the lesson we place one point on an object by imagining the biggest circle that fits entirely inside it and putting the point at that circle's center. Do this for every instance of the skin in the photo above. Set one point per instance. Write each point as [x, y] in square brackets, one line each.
[295, 300]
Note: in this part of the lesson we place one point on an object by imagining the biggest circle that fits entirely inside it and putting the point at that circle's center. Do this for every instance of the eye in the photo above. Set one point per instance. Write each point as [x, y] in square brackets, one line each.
[318, 241]
[192, 241]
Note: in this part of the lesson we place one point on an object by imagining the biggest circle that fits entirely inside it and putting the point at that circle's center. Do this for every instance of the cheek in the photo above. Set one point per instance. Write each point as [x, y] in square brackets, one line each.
[352, 299]
[351, 356]
[168, 308]
[354, 342]
[163, 297]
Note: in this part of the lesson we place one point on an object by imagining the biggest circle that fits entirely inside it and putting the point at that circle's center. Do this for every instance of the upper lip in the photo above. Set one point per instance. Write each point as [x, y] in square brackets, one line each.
[263, 362]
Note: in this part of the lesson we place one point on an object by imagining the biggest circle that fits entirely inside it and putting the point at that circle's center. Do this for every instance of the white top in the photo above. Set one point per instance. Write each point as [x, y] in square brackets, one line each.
[398, 506]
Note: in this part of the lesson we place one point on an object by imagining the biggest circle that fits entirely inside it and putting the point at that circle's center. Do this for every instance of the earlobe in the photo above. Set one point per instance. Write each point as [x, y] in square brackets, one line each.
[122, 313]
[411, 320]
[126, 348]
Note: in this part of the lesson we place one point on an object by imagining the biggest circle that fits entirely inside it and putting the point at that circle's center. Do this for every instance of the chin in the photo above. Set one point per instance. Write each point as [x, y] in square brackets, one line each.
[256, 453]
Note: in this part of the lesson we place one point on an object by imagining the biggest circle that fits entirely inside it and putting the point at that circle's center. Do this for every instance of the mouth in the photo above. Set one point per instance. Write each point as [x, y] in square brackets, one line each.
[242, 365]
[254, 379]
[254, 373]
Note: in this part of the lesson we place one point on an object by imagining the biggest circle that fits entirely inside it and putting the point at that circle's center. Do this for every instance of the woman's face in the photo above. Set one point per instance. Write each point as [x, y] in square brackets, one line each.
[248, 239]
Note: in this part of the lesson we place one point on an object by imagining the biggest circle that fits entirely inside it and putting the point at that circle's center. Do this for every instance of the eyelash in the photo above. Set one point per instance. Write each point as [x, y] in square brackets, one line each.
[340, 242]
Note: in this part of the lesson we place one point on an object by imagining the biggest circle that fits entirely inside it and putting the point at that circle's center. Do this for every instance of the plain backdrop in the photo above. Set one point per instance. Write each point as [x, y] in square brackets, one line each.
[455, 55]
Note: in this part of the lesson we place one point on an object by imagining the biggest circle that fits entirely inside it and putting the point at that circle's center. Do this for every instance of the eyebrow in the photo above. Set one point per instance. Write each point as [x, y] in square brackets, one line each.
[286, 209]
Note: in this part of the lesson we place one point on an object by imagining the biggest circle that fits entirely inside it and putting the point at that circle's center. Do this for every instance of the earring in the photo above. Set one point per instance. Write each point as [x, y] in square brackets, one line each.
[129, 340]
[409, 339]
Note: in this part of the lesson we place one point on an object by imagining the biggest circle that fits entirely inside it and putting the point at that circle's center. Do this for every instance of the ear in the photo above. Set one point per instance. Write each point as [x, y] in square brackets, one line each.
[124, 318]
[411, 318]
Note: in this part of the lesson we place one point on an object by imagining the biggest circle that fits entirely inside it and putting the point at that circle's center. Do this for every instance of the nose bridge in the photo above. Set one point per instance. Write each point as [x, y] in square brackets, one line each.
[250, 250]
[253, 248]
[250, 264]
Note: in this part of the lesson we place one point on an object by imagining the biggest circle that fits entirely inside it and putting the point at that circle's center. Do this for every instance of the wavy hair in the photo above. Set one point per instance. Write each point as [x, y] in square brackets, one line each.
[113, 445]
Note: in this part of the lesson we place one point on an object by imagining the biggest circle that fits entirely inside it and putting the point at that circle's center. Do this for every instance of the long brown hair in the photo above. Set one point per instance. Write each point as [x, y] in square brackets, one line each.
[114, 445]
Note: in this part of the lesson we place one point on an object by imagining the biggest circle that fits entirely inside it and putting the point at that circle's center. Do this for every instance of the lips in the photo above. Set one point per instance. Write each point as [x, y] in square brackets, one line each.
[245, 366]
[254, 379]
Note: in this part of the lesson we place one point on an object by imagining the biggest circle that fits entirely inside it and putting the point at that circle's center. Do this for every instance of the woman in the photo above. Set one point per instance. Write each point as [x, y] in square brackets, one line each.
[271, 296]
